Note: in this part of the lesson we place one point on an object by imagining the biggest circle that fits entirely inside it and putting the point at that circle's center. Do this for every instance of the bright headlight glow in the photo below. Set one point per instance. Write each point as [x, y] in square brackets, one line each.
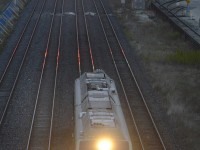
[104, 144]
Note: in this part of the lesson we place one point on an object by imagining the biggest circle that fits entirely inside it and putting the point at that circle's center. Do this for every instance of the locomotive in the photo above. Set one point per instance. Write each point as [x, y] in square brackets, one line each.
[99, 120]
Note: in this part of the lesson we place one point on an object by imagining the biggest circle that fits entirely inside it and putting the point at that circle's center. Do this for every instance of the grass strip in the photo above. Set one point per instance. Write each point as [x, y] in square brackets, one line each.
[185, 57]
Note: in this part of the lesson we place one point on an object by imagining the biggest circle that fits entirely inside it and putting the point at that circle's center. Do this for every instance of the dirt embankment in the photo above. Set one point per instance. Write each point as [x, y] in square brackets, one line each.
[173, 65]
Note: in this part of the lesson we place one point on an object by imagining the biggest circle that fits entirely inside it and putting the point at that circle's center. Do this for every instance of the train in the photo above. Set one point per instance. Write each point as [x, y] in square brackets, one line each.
[99, 119]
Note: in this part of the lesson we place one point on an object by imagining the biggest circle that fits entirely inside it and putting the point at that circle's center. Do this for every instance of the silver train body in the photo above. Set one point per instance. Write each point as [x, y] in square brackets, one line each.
[99, 120]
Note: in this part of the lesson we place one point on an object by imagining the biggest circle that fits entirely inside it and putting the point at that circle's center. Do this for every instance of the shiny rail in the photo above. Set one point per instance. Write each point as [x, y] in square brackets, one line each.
[6, 71]
[17, 45]
[84, 47]
[56, 76]
[77, 40]
[39, 131]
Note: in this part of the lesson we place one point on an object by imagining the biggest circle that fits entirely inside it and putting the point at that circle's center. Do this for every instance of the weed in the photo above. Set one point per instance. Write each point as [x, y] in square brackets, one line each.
[174, 35]
[128, 33]
[185, 57]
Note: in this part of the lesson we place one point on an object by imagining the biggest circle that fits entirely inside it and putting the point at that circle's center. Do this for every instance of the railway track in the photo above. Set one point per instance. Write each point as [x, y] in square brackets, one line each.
[148, 136]
[40, 135]
[83, 40]
[14, 66]
[63, 126]
[45, 114]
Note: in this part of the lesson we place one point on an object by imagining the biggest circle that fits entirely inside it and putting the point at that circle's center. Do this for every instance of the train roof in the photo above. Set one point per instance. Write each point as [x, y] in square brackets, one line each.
[98, 105]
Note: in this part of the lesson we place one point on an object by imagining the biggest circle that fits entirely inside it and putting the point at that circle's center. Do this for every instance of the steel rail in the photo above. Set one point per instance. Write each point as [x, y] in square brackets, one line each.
[118, 74]
[133, 76]
[82, 38]
[41, 76]
[88, 38]
[55, 80]
[21, 65]
[18, 42]
[77, 41]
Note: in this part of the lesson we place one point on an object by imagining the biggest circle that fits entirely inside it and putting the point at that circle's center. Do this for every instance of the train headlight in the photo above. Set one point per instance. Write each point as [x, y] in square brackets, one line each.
[104, 144]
